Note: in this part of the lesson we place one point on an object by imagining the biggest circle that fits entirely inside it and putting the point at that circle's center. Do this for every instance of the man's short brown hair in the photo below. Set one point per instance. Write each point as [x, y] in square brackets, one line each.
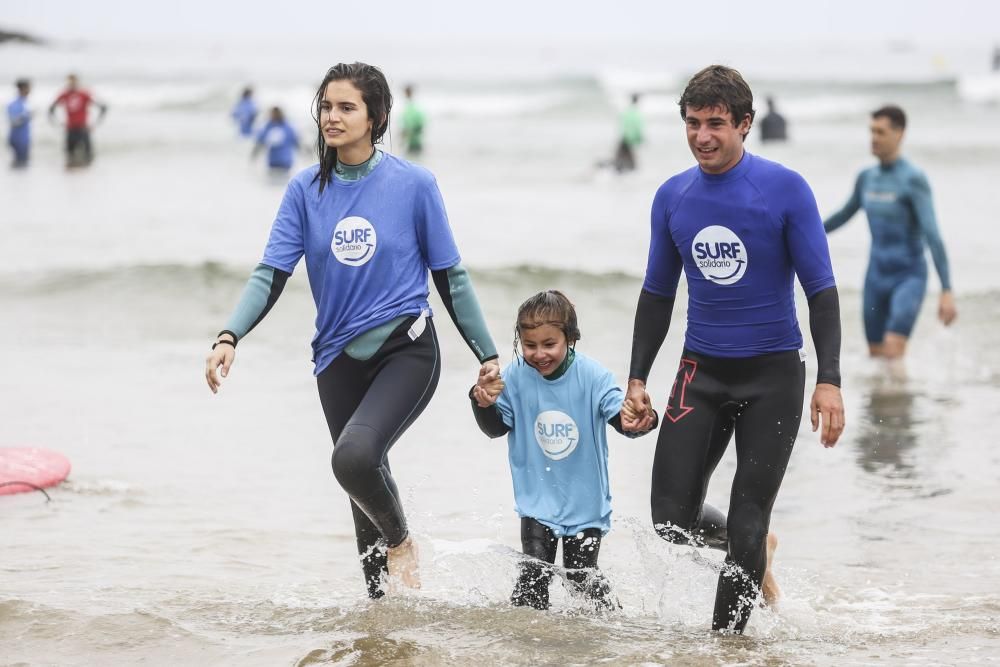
[718, 86]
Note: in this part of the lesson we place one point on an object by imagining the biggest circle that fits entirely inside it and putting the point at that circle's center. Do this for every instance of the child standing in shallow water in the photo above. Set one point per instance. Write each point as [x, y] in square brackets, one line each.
[554, 407]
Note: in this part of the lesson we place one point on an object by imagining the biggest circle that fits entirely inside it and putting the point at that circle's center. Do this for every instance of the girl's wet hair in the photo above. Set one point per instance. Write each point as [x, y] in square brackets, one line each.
[377, 97]
[548, 307]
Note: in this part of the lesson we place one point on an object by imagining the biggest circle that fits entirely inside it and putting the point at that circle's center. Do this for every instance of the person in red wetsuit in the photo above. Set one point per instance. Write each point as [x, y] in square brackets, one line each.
[79, 152]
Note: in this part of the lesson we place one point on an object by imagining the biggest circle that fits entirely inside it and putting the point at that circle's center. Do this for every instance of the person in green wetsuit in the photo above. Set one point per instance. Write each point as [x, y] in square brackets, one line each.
[414, 120]
[631, 136]
[897, 200]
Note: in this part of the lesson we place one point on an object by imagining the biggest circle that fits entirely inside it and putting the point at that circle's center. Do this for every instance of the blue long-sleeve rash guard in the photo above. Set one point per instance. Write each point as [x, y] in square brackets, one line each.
[897, 200]
[740, 238]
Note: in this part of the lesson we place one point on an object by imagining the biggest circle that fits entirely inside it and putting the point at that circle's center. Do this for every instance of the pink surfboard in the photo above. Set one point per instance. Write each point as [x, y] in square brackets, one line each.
[25, 468]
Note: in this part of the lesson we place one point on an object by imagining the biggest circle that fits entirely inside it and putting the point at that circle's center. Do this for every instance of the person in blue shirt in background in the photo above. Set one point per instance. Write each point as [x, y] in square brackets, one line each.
[19, 117]
[897, 200]
[245, 113]
[740, 228]
[554, 406]
[280, 139]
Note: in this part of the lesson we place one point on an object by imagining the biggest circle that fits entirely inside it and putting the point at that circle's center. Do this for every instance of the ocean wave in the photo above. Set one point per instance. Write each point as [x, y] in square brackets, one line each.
[808, 96]
[171, 277]
[174, 276]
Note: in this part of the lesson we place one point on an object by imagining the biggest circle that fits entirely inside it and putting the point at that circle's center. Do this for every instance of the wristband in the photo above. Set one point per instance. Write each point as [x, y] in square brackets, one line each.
[224, 341]
[236, 338]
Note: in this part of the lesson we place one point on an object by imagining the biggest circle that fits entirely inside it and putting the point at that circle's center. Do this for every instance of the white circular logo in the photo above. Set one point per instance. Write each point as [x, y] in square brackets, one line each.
[720, 254]
[556, 433]
[353, 241]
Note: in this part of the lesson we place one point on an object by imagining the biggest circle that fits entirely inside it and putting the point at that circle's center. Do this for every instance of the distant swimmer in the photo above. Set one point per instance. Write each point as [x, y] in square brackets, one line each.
[245, 113]
[554, 407]
[896, 197]
[19, 117]
[740, 229]
[75, 101]
[372, 228]
[280, 139]
[773, 126]
[632, 133]
[414, 121]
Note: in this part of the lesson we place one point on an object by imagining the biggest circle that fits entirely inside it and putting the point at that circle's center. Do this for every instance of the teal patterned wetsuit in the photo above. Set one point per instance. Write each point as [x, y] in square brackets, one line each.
[897, 200]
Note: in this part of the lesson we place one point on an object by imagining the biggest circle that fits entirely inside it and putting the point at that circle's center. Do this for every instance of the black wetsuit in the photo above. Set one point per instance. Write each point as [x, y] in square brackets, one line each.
[368, 405]
[580, 553]
[758, 398]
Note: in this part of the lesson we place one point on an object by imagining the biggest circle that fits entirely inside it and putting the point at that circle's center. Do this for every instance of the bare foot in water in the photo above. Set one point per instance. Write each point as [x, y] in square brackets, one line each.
[769, 587]
[403, 564]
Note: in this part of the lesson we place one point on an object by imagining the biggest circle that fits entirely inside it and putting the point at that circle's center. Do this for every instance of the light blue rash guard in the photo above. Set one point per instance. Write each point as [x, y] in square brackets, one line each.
[740, 237]
[281, 142]
[368, 245]
[557, 444]
[897, 200]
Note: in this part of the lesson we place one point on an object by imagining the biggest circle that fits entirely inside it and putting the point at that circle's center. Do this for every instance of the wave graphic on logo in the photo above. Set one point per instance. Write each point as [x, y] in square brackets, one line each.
[739, 266]
[369, 249]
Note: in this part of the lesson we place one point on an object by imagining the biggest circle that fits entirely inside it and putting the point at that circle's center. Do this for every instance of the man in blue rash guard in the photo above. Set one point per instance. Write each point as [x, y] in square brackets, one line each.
[897, 200]
[740, 228]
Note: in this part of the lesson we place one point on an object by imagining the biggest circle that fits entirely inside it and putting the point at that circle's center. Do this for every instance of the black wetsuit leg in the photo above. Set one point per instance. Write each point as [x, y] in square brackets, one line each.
[368, 405]
[580, 554]
[760, 398]
[539, 544]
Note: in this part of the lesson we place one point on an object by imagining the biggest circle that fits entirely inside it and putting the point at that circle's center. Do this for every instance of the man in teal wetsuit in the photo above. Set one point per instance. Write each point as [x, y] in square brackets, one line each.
[897, 200]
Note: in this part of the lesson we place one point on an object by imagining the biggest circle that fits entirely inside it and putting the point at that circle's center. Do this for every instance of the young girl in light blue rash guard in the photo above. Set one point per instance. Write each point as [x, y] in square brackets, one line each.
[371, 227]
[555, 408]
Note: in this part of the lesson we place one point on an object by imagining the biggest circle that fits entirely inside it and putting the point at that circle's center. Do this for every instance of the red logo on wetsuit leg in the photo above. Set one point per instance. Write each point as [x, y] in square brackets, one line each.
[685, 373]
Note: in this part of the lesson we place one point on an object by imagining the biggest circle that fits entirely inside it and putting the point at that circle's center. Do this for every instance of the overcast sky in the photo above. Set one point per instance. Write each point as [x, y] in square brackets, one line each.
[689, 22]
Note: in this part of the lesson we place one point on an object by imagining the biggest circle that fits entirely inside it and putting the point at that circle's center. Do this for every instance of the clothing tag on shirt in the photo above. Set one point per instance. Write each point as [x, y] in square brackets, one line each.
[802, 354]
[418, 326]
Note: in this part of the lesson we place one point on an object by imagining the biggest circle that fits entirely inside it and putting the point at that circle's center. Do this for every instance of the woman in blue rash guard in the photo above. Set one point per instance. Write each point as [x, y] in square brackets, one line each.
[370, 226]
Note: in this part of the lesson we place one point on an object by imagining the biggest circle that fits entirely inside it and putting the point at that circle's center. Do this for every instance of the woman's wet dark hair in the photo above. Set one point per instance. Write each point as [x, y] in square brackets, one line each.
[377, 97]
[548, 307]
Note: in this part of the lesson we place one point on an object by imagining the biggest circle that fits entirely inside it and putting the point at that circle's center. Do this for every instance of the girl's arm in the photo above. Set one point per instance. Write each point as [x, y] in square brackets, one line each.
[488, 419]
[616, 423]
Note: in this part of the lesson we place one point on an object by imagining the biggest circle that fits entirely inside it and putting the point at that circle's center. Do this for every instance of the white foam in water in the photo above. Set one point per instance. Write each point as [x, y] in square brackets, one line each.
[980, 87]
